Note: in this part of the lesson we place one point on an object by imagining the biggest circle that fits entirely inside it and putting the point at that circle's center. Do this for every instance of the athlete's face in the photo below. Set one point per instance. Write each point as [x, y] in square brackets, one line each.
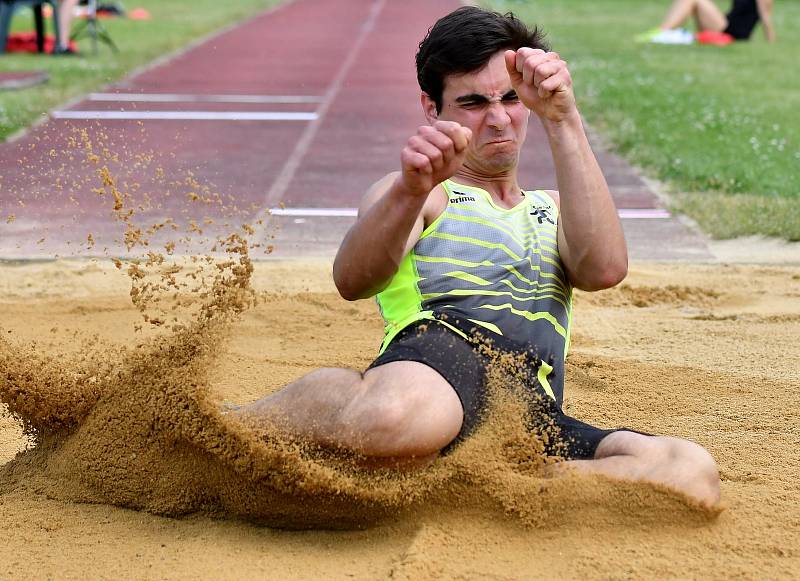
[485, 102]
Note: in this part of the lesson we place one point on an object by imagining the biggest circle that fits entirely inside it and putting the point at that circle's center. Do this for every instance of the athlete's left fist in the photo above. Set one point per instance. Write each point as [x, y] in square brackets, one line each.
[542, 82]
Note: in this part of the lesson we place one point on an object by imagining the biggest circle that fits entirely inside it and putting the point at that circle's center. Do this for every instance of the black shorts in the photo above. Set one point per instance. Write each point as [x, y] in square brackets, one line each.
[742, 19]
[464, 365]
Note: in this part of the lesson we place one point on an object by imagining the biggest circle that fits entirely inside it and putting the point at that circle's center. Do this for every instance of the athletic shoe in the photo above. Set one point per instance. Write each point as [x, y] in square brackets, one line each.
[673, 36]
[647, 36]
[64, 51]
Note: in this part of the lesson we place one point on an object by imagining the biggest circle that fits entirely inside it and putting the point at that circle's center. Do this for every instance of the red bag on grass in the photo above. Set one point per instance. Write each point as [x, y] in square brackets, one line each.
[26, 42]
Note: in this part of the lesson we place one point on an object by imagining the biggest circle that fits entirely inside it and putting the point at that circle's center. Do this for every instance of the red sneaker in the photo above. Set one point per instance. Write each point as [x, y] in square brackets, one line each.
[715, 38]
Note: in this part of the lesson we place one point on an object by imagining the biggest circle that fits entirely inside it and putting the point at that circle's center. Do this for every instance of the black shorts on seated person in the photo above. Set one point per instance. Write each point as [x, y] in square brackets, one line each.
[464, 367]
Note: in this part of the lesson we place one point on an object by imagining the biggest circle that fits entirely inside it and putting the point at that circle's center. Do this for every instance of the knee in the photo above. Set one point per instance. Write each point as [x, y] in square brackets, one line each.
[384, 423]
[400, 424]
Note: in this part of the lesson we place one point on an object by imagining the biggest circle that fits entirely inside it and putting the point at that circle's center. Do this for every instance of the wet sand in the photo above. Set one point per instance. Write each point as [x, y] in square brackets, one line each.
[703, 352]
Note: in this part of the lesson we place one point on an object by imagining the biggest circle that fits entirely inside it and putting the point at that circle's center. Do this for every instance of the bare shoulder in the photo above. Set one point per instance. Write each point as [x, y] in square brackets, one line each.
[554, 194]
[377, 191]
[434, 204]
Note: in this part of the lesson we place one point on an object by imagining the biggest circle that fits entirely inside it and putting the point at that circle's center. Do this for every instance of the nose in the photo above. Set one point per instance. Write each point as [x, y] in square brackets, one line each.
[497, 117]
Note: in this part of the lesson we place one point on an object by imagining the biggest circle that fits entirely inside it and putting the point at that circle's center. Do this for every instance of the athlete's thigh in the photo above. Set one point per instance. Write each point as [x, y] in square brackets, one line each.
[710, 17]
[414, 383]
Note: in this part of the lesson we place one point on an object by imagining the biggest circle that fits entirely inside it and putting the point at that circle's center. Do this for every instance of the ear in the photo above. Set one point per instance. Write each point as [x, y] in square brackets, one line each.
[429, 107]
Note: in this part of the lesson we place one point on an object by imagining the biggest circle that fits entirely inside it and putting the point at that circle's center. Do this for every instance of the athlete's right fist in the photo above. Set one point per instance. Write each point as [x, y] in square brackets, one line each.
[433, 155]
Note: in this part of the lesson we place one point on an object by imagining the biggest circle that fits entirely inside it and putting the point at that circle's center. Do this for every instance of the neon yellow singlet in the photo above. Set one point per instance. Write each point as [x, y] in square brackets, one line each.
[499, 268]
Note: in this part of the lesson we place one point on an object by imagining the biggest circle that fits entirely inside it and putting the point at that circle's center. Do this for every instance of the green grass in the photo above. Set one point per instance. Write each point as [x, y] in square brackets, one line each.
[174, 23]
[702, 119]
[732, 215]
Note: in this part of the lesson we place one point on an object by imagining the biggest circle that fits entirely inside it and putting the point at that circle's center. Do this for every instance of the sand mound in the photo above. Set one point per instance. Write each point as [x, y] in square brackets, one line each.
[626, 295]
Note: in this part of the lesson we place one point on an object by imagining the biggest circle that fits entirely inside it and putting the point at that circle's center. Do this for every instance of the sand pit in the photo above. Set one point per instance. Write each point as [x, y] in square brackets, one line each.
[153, 481]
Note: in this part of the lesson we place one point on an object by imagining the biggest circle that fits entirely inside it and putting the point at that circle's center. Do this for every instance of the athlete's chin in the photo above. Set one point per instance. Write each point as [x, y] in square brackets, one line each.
[501, 163]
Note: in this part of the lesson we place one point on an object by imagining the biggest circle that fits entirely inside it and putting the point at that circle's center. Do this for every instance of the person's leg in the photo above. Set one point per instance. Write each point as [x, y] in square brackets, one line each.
[402, 409]
[672, 462]
[66, 10]
[706, 14]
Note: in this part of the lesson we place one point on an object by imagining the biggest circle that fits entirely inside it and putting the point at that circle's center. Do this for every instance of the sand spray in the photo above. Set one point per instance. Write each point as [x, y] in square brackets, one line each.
[142, 426]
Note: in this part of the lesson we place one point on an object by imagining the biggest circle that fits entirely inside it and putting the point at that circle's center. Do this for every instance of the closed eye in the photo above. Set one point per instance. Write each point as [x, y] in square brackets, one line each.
[472, 101]
[476, 101]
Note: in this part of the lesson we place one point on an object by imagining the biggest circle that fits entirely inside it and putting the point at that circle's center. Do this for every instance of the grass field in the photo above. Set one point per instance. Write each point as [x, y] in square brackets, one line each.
[174, 23]
[718, 125]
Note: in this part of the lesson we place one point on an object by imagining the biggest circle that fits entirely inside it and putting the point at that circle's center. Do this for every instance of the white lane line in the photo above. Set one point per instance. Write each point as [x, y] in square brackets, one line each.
[281, 183]
[624, 213]
[316, 212]
[186, 98]
[188, 115]
[643, 213]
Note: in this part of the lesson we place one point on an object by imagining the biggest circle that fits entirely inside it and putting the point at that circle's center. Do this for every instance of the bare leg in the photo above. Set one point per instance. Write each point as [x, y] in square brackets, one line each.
[677, 464]
[66, 9]
[707, 15]
[398, 410]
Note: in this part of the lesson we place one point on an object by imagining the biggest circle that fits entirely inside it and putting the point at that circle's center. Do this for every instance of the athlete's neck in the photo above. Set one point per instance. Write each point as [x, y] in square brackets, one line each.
[503, 187]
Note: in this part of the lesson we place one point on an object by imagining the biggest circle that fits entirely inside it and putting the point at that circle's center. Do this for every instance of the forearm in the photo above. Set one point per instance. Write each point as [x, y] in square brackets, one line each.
[374, 247]
[765, 14]
[769, 31]
[594, 250]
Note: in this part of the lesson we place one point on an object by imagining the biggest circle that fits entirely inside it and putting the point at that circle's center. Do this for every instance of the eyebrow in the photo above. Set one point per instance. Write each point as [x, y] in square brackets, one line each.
[478, 98]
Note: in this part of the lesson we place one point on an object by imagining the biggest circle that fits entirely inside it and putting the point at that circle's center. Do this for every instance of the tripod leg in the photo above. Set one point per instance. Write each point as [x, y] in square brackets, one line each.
[105, 37]
[77, 30]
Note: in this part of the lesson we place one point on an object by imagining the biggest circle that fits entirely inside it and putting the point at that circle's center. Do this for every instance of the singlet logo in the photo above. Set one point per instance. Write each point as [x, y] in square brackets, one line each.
[461, 197]
[542, 214]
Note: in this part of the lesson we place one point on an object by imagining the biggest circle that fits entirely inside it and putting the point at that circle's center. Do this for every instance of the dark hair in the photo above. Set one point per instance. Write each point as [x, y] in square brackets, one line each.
[464, 41]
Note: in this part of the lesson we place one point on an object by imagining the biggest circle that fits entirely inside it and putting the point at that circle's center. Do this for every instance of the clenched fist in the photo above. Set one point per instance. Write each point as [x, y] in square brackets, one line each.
[433, 155]
[542, 82]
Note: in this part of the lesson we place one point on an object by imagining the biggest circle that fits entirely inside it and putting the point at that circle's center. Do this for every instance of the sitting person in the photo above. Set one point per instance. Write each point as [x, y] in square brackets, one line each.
[739, 22]
[455, 252]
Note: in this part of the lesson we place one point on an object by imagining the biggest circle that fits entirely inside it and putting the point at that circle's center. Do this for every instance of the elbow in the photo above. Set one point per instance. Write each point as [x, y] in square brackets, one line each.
[348, 293]
[344, 285]
[356, 280]
[609, 276]
[351, 292]
[352, 288]
[614, 275]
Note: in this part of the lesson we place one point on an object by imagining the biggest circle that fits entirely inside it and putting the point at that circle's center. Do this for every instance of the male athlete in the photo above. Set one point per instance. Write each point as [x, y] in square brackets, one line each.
[454, 250]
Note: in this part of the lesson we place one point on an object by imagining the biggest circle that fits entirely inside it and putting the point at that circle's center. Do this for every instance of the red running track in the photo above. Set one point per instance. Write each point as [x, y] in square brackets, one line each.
[310, 103]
